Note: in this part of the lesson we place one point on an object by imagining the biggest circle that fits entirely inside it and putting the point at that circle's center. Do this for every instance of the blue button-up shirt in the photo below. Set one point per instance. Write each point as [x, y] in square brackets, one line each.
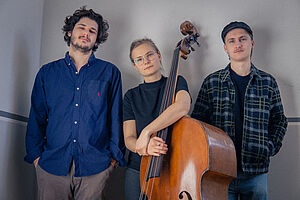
[76, 116]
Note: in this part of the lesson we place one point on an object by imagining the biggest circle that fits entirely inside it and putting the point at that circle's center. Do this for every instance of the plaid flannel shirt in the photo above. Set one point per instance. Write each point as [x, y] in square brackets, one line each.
[264, 120]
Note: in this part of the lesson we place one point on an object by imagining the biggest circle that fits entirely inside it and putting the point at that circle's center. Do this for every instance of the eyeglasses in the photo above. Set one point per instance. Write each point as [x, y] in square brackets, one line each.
[140, 60]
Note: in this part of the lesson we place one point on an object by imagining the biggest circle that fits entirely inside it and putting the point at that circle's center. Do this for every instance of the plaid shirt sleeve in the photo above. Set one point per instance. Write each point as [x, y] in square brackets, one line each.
[202, 107]
[278, 121]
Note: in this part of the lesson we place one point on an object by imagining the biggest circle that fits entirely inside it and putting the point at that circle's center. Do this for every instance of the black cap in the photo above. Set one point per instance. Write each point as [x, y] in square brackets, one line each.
[234, 25]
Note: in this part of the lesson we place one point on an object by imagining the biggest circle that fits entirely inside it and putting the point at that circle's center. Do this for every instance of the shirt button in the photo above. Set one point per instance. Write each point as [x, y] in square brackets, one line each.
[77, 88]
[76, 104]
[75, 122]
[74, 141]
[76, 72]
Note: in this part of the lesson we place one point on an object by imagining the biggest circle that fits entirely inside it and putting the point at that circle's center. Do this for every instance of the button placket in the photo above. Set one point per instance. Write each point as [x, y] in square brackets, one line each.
[76, 115]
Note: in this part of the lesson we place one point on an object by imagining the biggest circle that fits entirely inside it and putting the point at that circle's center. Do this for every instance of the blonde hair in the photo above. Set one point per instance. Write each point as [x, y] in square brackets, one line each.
[139, 42]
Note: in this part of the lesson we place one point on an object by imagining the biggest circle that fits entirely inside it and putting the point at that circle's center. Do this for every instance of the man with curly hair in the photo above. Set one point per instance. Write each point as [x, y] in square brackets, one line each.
[74, 129]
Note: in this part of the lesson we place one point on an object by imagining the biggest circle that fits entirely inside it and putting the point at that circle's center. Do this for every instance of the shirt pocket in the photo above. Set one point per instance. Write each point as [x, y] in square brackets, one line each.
[97, 94]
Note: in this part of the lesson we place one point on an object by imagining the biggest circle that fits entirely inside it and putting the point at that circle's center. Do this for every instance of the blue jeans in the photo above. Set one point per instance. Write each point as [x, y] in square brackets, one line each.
[132, 184]
[249, 187]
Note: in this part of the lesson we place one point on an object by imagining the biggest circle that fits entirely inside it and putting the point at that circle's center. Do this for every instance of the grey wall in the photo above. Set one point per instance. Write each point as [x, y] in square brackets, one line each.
[21, 24]
[276, 32]
[20, 42]
[275, 24]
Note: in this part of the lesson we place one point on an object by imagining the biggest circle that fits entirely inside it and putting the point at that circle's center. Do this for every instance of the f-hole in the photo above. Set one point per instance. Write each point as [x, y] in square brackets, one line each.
[187, 194]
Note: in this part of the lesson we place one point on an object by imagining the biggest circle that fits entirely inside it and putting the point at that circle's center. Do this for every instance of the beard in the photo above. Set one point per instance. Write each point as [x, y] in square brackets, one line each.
[82, 48]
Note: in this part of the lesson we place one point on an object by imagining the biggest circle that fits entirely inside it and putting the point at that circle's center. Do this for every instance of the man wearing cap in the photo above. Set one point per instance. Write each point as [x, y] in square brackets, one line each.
[244, 102]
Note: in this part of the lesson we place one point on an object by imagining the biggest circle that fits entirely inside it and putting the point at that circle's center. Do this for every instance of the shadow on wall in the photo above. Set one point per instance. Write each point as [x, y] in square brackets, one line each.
[284, 175]
[194, 66]
[284, 167]
[20, 177]
[114, 50]
[261, 53]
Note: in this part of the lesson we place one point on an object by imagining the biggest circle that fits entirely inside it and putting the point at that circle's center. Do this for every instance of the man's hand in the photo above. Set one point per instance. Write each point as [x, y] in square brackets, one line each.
[35, 162]
[113, 162]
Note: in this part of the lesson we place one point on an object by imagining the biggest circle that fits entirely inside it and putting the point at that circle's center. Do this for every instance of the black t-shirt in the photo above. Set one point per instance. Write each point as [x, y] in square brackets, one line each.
[240, 84]
[142, 104]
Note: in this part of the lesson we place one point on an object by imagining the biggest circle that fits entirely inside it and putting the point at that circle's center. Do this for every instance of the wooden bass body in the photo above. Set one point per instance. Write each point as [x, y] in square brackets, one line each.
[199, 165]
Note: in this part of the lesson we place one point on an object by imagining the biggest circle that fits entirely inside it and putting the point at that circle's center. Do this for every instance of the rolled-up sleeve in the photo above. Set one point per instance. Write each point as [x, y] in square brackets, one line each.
[201, 109]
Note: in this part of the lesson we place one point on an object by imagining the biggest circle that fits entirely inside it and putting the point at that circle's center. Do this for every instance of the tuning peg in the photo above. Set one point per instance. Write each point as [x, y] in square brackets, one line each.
[184, 56]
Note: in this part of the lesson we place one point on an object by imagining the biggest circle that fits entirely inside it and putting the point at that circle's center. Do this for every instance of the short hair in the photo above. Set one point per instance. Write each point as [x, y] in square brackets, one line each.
[139, 42]
[71, 20]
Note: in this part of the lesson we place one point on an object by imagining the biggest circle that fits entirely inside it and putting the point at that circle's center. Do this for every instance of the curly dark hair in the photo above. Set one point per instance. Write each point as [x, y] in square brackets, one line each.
[71, 20]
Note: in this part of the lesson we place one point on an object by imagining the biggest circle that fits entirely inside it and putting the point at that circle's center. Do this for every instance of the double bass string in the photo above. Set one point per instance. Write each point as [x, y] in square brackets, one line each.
[144, 181]
[167, 100]
[154, 163]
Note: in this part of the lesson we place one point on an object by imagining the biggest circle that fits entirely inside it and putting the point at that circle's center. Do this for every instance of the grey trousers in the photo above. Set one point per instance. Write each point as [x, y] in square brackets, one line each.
[52, 187]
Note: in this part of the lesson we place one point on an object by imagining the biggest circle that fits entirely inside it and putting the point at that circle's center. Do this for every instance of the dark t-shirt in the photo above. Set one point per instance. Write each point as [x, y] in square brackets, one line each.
[142, 104]
[240, 84]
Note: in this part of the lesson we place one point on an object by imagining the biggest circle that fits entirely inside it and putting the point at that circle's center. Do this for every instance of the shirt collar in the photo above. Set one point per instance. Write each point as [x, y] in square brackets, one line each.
[69, 61]
[253, 72]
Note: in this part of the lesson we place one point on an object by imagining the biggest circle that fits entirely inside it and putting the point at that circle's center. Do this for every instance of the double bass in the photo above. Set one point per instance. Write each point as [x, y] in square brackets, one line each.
[201, 159]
